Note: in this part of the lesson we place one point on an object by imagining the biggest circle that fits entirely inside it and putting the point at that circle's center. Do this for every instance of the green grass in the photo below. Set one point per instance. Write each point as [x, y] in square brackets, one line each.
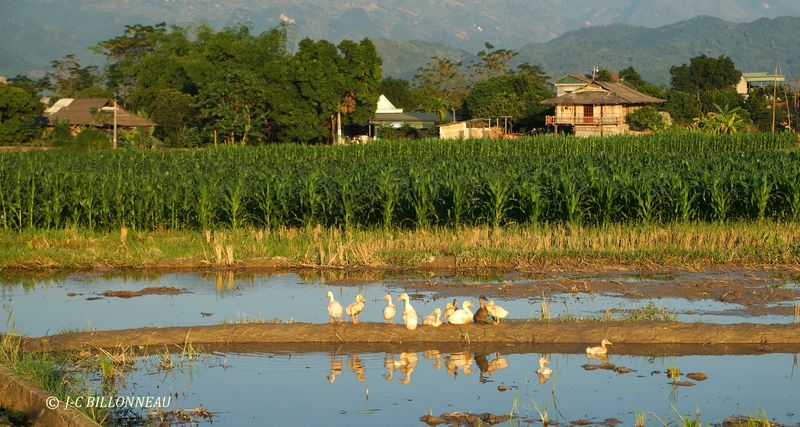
[55, 372]
[518, 247]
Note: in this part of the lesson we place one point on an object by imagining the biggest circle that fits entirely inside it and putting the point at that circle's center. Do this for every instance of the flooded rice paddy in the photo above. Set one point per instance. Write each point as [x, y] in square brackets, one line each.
[396, 389]
[344, 387]
[81, 302]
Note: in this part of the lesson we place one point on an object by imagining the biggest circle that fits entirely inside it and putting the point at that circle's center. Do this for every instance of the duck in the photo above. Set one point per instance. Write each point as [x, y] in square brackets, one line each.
[433, 319]
[450, 308]
[496, 311]
[354, 309]
[410, 318]
[544, 371]
[334, 308]
[481, 316]
[599, 351]
[390, 310]
[461, 316]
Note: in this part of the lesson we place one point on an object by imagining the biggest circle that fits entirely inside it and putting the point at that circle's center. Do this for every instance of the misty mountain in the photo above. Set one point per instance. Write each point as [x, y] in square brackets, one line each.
[34, 32]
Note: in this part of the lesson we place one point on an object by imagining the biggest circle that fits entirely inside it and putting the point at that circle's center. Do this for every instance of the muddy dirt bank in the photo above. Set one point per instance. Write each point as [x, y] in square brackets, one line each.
[22, 395]
[573, 335]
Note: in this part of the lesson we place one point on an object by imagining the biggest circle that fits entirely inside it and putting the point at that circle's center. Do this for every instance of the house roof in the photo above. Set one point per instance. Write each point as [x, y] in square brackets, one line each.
[603, 93]
[403, 117]
[574, 78]
[93, 112]
[386, 106]
[763, 77]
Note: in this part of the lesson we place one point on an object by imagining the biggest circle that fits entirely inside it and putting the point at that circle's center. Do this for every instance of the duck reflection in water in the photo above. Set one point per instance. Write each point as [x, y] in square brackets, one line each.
[490, 367]
[434, 355]
[357, 367]
[336, 365]
[406, 365]
[459, 360]
[543, 372]
[388, 363]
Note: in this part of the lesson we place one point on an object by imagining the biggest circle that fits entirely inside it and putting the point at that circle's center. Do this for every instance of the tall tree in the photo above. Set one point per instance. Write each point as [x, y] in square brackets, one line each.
[18, 112]
[704, 73]
[441, 83]
[69, 79]
[491, 63]
[516, 94]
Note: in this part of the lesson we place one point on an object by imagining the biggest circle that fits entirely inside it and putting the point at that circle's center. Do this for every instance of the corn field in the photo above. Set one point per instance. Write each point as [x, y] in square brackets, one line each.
[647, 179]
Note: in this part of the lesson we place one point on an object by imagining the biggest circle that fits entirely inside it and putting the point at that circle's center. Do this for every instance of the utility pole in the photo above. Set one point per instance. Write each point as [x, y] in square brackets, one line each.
[774, 98]
[338, 127]
[115, 123]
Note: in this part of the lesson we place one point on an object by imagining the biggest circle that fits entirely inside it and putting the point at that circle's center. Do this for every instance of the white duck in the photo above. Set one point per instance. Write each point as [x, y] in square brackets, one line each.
[433, 319]
[461, 316]
[410, 318]
[354, 309]
[599, 351]
[544, 371]
[496, 311]
[390, 310]
[334, 308]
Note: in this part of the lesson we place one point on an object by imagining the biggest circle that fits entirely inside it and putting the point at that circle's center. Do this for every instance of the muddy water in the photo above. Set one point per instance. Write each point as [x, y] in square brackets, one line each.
[77, 302]
[396, 389]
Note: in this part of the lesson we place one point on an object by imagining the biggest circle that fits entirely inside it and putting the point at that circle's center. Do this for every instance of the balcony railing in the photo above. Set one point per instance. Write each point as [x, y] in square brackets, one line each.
[572, 121]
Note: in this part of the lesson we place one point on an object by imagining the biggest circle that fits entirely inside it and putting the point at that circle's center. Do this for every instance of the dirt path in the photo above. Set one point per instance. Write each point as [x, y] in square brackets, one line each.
[629, 337]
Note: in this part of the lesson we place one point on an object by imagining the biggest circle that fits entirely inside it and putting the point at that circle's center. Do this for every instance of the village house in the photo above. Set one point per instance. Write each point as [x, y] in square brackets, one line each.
[95, 112]
[387, 115]
[596, 108]
[753, 80]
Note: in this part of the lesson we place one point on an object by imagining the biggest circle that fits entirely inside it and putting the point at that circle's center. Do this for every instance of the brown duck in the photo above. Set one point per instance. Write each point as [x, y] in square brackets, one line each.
[481, 316]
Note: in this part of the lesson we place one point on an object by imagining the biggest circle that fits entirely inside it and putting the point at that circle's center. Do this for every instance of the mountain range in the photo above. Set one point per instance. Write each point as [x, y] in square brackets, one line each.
[561, 35]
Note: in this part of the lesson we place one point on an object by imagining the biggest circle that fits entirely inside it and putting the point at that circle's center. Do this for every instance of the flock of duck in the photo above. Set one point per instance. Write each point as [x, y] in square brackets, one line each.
[487, 313]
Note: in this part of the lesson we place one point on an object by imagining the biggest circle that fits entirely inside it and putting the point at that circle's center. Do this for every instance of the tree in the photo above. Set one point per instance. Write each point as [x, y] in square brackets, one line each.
[724, 120]
[704, 73]
[398, 91]
[442, 80]
[604, 75]
[631, 77]
[647, 118]
[516, 94]
[361, 69]
[18, 112]
[491, 63]
[68, 79]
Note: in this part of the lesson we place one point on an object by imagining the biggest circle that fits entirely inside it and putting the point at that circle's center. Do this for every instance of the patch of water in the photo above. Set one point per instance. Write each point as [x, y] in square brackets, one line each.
[76, 302]
[396, 389]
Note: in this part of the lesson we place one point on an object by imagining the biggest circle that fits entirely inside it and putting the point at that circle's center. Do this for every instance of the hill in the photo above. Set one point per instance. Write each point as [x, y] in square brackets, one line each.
[754, 46]
[34, 32]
